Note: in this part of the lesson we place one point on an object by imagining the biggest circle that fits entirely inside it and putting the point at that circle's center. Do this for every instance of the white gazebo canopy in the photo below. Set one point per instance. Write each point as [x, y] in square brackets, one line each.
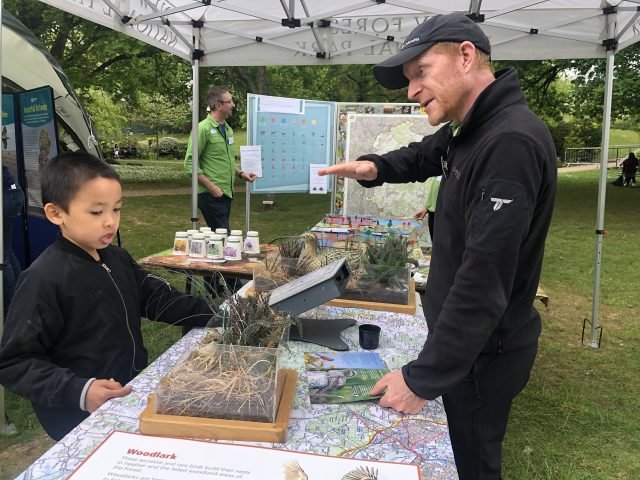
[313, 32]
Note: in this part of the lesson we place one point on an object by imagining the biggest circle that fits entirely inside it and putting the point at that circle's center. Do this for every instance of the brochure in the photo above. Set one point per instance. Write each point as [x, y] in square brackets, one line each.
[343, 386]
[351, 360]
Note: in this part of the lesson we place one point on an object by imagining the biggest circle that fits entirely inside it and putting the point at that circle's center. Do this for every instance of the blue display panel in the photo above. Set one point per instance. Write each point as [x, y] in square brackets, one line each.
[290, 143]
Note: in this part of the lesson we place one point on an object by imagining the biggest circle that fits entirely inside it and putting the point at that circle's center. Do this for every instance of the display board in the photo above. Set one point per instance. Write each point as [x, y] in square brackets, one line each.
[39, 140]
[9, 145]
[345, 109]
[379, 134]
[293, 134]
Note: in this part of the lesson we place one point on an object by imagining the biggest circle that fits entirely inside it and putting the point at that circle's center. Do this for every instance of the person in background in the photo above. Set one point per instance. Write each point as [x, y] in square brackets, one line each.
[431, 187]
[496, 198]
[72, 338]
[217, 167]
[12, 205]
[629, 169]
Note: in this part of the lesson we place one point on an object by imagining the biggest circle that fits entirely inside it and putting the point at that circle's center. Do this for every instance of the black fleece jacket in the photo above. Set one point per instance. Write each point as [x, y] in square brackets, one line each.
[493, 213]
[74, 318]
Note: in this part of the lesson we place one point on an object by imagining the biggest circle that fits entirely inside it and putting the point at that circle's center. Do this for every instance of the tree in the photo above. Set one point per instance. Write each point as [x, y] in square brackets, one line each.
[589, 85]
[108, 117]
[157, 111]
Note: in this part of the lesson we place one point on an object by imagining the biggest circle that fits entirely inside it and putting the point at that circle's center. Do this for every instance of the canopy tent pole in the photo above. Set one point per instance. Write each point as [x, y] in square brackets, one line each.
[3, 425]
[602, 188]
[195, 119]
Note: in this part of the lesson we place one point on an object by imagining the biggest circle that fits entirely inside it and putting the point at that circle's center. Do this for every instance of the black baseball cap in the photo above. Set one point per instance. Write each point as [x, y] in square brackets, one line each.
[453, 27]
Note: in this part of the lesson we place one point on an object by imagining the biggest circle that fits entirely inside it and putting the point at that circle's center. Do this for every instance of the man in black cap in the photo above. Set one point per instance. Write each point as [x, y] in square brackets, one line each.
[496, 197]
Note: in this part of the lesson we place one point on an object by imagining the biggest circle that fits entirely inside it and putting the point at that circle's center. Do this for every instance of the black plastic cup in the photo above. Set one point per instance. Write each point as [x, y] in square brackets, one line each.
[369, 336]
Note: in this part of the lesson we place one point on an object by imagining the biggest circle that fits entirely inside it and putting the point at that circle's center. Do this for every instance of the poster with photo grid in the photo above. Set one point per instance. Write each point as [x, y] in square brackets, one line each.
[290, 142]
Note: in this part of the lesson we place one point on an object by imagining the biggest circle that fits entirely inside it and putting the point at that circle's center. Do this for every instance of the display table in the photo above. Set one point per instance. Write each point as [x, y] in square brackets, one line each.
[242, 269]
[361, 430]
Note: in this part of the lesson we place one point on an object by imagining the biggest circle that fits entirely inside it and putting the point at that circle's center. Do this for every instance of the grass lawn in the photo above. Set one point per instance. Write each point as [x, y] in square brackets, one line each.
[578, 418]
[624, 137]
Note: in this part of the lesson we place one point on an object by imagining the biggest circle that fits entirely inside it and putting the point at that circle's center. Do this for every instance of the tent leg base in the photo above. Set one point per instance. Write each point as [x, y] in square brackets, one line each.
[593, 343]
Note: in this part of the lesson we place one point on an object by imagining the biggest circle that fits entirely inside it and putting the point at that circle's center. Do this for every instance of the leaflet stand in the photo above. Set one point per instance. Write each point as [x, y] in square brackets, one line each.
[311, 291]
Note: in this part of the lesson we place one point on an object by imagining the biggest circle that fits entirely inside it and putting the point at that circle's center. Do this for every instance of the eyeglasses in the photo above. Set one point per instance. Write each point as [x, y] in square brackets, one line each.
[225, 101]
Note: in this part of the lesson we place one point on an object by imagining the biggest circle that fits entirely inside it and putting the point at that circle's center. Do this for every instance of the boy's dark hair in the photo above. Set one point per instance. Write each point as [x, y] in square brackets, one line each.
[65, 174]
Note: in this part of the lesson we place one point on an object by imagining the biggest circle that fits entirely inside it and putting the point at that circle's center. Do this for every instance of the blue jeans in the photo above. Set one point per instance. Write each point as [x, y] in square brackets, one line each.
[12, 204]
[216, 211]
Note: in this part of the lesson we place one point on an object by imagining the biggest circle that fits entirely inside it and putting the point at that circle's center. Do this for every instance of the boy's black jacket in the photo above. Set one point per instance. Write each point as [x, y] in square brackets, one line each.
[74, 318]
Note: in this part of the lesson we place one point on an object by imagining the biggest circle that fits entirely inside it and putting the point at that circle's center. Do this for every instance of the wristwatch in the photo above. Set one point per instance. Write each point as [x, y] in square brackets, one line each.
[240, 174]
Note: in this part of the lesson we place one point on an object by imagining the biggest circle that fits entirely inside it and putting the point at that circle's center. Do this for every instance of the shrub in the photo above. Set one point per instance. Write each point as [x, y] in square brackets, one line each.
[150, 173]
[168, 146]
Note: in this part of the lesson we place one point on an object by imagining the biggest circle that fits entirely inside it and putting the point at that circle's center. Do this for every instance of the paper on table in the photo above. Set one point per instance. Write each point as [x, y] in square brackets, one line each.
[131, 456]
[251, 159]
[317, 184]
[331, 360]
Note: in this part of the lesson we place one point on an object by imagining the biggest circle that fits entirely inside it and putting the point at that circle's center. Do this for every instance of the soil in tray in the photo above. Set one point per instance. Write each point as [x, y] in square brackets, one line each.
[380, 295]
[260, 410]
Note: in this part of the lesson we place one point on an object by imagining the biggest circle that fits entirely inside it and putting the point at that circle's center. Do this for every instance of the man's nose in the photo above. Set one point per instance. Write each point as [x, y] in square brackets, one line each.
[413, 90]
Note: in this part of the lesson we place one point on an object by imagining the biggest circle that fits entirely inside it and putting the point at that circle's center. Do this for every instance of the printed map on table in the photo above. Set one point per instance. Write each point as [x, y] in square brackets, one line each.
[380, 134]
[355, 430]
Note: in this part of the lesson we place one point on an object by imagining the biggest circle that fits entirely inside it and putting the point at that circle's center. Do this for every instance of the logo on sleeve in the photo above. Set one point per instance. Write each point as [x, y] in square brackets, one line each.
[499, 202]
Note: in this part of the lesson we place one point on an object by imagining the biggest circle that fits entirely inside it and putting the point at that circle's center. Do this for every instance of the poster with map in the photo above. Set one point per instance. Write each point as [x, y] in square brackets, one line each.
[380, 134]
[291, 141]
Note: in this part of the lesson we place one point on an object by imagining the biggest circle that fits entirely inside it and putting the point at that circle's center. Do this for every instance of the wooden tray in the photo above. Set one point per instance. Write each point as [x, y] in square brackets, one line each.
[153, 423]
[409, 308]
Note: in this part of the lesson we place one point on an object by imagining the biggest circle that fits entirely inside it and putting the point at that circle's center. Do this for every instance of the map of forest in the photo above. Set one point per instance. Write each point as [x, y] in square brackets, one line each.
[380, 134]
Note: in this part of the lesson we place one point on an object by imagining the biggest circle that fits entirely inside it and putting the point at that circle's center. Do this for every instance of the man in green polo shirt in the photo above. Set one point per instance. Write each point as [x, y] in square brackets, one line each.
[217, 167]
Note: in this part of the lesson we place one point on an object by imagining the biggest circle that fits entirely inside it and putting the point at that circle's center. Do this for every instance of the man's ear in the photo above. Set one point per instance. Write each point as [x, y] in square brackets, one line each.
[468, 53]
[53, 213]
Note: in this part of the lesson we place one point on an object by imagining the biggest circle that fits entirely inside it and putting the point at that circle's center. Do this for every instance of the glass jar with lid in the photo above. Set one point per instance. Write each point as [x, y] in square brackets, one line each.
[180, 244]
[223, 233]
[233, 248]
[198, 247]
[215, 247]
[190, 233]
[237, 233]
[252, 243]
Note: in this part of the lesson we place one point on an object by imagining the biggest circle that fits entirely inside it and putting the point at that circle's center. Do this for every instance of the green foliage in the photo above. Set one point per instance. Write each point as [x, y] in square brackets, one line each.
[589, 79]
[168, 146]
[151, 173]
[546, 90]
[108, 117]
[584, 133]
[387, 259]
[559, 133]
[96, 56]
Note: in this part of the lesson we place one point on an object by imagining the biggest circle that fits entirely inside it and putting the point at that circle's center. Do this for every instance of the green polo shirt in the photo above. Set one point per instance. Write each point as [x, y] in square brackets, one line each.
[216, 155]
[431, 186]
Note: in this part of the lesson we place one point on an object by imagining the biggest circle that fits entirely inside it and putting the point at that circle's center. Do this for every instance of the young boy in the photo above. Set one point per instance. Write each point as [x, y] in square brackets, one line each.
[72, 338]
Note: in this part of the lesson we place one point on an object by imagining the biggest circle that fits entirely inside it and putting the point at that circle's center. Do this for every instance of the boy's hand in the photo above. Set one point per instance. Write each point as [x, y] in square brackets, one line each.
[102, 390]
